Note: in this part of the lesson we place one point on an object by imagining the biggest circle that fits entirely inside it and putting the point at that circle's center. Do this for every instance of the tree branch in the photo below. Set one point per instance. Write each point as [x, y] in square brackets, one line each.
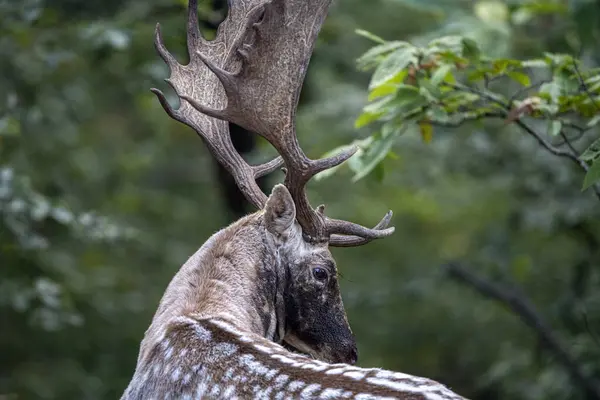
[507, 107]
[524, 309]
[584, 86]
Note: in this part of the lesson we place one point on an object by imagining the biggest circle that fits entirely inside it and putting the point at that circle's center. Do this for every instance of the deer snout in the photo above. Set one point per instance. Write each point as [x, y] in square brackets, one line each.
[347, 354]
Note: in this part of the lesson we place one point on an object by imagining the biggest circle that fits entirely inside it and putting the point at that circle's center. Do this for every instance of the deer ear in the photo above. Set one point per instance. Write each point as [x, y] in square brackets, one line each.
[280, 211]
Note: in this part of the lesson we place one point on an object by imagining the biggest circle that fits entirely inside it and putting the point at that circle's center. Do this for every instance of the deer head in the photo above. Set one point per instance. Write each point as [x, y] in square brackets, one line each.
[251, 75]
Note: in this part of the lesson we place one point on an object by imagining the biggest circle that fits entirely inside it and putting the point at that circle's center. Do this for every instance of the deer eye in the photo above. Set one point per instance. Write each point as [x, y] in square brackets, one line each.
[320, 274]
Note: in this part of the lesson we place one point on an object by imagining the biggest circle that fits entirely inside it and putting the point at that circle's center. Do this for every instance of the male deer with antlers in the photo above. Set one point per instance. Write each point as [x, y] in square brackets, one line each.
[268, 280]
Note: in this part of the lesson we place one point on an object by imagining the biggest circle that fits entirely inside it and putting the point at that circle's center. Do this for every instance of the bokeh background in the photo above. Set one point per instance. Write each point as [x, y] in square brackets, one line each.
[103, 197]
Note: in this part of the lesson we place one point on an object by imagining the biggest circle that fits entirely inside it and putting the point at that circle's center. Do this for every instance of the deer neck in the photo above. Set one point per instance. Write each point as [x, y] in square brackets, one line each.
[221, 280]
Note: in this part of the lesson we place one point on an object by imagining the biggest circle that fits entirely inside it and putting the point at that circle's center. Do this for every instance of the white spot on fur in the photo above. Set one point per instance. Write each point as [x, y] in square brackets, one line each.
[248, 361]
[424, 390]
[335, 371]
[397, 375]
[222, 350]
[200, 390]
[216, 389]
[269, 375]
[202, 333]
[263, 394]
[283, 359]
[366, 396]
[281, 380]
[355, 375]
[262, 348]
[187, 378]
[331, 393]
[308, 392]
[229, 392]
[314, 367]
[296, 385]
[279, 395]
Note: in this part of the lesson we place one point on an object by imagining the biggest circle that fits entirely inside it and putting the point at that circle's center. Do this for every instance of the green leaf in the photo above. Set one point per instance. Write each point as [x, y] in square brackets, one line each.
[392, 65]
[369, 35]
[441, 74]
[373, 55]
[536, 63]
[406, 93]
[377, 151]
[559, 59]
[594, 121]
[519, 77]
[592, 176]
[383, 90]
[592, 153]
[470, 49]
[554, 128]
[552, 89]
[366, 118]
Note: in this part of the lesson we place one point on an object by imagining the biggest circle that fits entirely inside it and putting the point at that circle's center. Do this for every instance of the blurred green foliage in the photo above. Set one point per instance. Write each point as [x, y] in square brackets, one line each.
[103, 197]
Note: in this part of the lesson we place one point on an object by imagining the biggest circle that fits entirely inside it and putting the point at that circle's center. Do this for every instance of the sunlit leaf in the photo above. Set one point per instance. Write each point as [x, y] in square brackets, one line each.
[377, 151]
[373, 55]
[383, 90]
[366, 118]
[392, 65]
[369, 35]
[594, 121]
[441, 74]
[554, 127]
[536, 63]
[592, 176]
[592, 152]
[519, 77]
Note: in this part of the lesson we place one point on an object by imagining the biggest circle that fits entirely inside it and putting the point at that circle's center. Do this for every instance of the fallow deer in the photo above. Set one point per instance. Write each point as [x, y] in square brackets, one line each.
[256, 312]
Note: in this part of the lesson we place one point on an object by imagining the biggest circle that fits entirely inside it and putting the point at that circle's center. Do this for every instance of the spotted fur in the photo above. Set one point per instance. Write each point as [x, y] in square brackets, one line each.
[218, 329]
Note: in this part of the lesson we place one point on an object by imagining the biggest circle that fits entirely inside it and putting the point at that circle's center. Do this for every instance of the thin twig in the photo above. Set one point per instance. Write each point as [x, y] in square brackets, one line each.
[567, 141]
[556, 151]
[570, 153]
[584, 86]
[525, 310]
[476, 117]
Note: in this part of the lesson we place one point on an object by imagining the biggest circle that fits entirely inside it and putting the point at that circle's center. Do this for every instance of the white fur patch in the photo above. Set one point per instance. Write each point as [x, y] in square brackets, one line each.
[331, 393]
[296, 385]
[358, 375]
[308, 392]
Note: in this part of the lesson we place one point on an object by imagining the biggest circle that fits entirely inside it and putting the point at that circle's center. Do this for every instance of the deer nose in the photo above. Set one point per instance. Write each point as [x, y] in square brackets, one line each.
[352, 356]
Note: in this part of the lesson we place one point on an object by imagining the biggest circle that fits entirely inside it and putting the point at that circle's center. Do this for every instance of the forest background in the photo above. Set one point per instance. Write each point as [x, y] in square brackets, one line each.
[491, 283]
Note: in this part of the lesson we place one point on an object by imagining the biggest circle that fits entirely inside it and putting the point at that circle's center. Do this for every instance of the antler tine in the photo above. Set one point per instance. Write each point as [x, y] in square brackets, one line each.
[194, 39]
[215, 133]
[337, 240]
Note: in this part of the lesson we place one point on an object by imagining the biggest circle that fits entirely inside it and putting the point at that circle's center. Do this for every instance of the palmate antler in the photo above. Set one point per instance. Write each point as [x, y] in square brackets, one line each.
[251, 75]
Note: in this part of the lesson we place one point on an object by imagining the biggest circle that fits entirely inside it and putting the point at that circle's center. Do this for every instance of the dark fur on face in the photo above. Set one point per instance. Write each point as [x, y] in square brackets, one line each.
[315, 319]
